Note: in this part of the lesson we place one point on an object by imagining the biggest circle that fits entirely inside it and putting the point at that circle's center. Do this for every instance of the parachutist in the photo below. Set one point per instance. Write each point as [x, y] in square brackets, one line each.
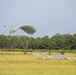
[26, 28]
[49, 53]
[62, 52]
[5, 25]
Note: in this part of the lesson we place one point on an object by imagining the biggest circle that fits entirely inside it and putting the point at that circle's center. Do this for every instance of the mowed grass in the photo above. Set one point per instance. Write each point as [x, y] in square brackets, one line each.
[20, 64]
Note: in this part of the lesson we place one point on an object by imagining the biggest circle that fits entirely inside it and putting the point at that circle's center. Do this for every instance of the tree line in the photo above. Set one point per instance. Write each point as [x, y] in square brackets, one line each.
[56, 42]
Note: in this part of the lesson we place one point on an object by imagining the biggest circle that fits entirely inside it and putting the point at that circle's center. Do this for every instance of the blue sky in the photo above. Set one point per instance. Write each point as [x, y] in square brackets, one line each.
[49, 17]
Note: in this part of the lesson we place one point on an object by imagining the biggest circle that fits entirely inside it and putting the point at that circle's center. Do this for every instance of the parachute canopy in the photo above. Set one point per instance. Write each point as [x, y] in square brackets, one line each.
[25, 27]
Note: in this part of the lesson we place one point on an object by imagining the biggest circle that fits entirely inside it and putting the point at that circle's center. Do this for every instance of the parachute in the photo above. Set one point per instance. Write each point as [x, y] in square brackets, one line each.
[25, 27]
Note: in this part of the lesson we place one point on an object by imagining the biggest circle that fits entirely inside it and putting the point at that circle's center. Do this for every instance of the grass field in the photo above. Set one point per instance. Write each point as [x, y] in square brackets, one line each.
[19, 64]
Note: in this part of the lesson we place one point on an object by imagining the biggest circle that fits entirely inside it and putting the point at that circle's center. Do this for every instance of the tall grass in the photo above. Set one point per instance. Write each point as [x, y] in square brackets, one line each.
[20, 64]
[35, 50]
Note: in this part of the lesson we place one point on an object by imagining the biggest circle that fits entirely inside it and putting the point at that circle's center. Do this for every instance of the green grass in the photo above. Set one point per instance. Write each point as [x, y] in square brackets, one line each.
[20, 64]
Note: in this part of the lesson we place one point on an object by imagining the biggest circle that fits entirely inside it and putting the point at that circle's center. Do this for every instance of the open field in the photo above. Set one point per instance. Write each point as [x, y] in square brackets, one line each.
[16, 63]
